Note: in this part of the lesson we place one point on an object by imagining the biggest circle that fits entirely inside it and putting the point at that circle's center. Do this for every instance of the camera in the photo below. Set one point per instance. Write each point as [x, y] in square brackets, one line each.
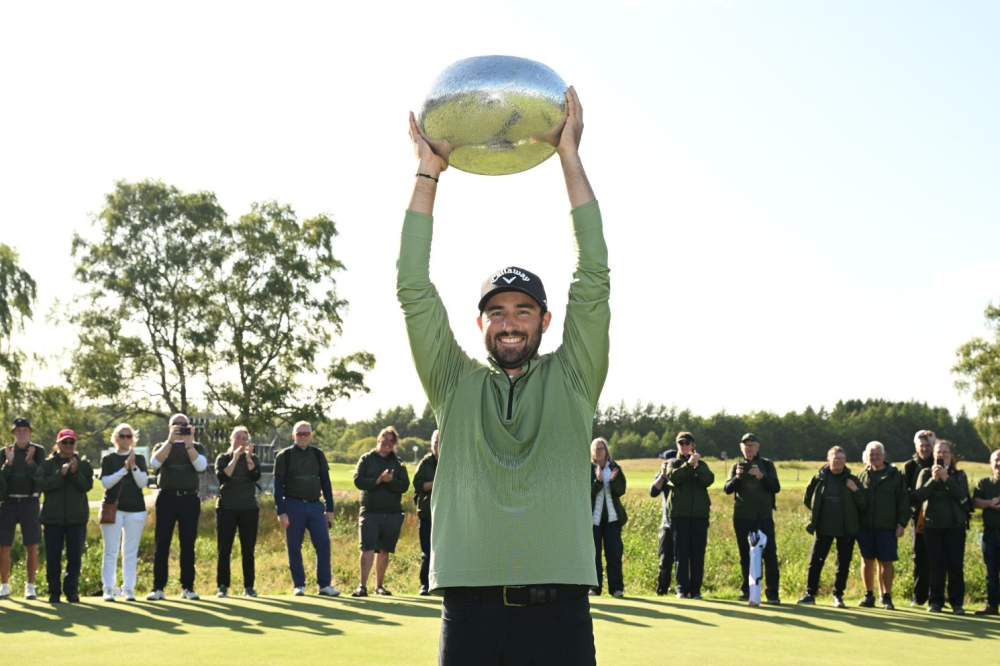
[184, 430]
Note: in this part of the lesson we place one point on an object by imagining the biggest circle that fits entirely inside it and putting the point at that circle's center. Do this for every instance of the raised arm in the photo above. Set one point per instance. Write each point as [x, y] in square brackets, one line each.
[577, 186]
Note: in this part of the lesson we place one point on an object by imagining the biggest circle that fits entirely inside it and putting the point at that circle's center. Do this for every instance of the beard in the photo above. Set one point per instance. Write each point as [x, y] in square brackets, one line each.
[512, 359]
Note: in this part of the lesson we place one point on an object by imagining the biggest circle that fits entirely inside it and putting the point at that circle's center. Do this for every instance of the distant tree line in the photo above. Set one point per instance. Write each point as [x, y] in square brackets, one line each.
[647, 430]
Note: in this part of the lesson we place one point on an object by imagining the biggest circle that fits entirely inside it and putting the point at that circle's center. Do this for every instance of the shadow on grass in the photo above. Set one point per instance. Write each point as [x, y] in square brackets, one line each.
[843, 620]
[614, 612]
[315, 616]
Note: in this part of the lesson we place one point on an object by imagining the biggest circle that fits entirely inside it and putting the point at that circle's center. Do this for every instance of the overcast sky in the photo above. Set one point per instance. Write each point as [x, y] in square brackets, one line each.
[801, 200]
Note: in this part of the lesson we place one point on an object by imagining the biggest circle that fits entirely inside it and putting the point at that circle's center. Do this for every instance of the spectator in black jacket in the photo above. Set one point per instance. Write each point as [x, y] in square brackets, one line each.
[607, 486]
[923, 458]
[754, 482]
[665, 543]
[382, 479]
[238, 471]
[987, 498]
[423, 486]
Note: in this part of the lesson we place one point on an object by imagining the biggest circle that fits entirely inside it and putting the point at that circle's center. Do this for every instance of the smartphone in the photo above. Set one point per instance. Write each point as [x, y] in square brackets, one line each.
[940, 461]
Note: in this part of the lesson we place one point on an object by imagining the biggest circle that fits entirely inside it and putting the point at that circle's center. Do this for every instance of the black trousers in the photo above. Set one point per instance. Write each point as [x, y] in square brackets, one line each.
[73, 538]
[424, 531]
[820, 549]
[690, 541]
[610, 535]
[665, 551]
[227, 523]
[487, 633]
[921, 566]
[991, 557]
[183, 511]
[946, 550]
[743, 527]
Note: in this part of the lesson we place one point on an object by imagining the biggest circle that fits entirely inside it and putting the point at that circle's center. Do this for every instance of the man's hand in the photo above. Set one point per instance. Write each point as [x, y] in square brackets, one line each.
[693, 460]
[900, 530]
[851, 485]
[283, 521]
[30, 455]
[432, 155]
[755, 472]
[995, 503]
[9, 452]
[329, 519]
[572, 130]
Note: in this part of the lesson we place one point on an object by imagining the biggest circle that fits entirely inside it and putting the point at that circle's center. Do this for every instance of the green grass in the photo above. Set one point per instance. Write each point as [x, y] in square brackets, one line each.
[403, 630]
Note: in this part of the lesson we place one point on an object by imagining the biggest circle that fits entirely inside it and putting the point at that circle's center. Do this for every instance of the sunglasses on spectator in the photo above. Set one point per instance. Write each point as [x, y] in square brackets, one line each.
[302, 434]
[125, 435]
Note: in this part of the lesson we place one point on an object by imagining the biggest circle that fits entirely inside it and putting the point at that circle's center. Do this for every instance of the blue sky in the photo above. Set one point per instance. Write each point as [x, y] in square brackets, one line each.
[800, 199]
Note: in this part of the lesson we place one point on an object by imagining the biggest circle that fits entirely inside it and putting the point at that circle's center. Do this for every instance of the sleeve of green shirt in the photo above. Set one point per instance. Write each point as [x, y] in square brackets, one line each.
[585, 343]
[439, 360]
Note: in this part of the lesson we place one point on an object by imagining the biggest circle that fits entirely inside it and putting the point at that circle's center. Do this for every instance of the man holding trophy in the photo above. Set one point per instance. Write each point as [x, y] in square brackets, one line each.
[512, 543]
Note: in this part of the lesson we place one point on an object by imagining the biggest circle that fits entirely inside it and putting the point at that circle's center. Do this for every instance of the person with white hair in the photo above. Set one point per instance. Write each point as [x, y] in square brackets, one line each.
[179, 460]
[123, 475]
[883, 522]
[923, 443]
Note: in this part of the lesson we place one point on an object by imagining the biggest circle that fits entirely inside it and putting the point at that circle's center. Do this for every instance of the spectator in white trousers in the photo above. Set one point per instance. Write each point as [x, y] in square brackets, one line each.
[124, 475]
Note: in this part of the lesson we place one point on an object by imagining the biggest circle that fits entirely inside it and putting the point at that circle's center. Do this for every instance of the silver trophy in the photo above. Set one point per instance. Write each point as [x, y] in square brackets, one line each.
[496, 114]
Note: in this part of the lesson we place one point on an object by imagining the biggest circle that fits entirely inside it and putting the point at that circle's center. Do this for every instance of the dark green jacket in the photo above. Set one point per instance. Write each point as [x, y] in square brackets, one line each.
[888, 500]
[911, 470]
[19, 475]
[424, 474]
[986, 489]
[853, 502]
[688, 489]
[946, 503]
[65, 501]
[754, 499]
[617, 488]
[381, 497]
[3, 487]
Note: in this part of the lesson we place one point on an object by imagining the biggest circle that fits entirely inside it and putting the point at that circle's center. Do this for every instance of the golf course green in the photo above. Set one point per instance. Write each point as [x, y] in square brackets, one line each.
[403, 630]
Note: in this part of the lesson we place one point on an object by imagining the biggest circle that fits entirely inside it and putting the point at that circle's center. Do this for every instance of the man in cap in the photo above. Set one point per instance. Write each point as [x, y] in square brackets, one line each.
[754, 484]
[987, 497]
[923, 458]
[20, 506]
[689, 508]
[179, 461]
[513, 550]
[665, 543]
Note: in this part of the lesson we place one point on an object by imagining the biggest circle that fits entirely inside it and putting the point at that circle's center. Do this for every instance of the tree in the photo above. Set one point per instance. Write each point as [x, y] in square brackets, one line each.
[186, 311]
[979, 370]
[17, 297]
[272, 309]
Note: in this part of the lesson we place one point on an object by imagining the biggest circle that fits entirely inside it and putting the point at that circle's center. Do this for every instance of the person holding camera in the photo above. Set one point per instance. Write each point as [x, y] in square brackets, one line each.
[20, 505]
[179, 461]
[607, 487]
[944, 492]
[689, 508]
[923, 458]
[754, 484]
[987, 498]
[65, 479]
[836, 501]
[238, 471]
[123, 475]
[882, 524]
[665, 540]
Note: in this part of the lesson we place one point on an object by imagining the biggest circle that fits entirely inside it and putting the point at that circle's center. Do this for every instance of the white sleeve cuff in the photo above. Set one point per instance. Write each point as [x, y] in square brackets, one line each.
[200, 464]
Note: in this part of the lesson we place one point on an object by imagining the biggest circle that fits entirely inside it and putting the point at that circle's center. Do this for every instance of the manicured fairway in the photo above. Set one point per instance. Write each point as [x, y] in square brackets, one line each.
[403, 630]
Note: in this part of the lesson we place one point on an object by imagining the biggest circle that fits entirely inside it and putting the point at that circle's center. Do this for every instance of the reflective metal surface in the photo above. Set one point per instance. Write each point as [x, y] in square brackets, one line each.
[493, 113]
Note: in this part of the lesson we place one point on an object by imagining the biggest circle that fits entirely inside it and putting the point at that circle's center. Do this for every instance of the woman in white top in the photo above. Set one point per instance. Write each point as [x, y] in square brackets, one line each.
[124, 476]
[607, 486]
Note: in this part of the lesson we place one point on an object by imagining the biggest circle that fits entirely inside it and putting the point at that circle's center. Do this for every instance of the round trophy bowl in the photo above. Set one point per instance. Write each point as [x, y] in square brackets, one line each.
[494, 112]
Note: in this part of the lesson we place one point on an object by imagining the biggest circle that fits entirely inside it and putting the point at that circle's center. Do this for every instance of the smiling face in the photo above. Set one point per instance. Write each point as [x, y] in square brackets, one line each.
[386, 443]
[924, 446]
[837, 461]
[512, 324]
[995, 464]
[749, 448]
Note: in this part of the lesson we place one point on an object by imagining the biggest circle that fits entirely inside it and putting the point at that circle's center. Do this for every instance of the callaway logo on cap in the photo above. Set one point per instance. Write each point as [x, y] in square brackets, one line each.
[513, 278]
